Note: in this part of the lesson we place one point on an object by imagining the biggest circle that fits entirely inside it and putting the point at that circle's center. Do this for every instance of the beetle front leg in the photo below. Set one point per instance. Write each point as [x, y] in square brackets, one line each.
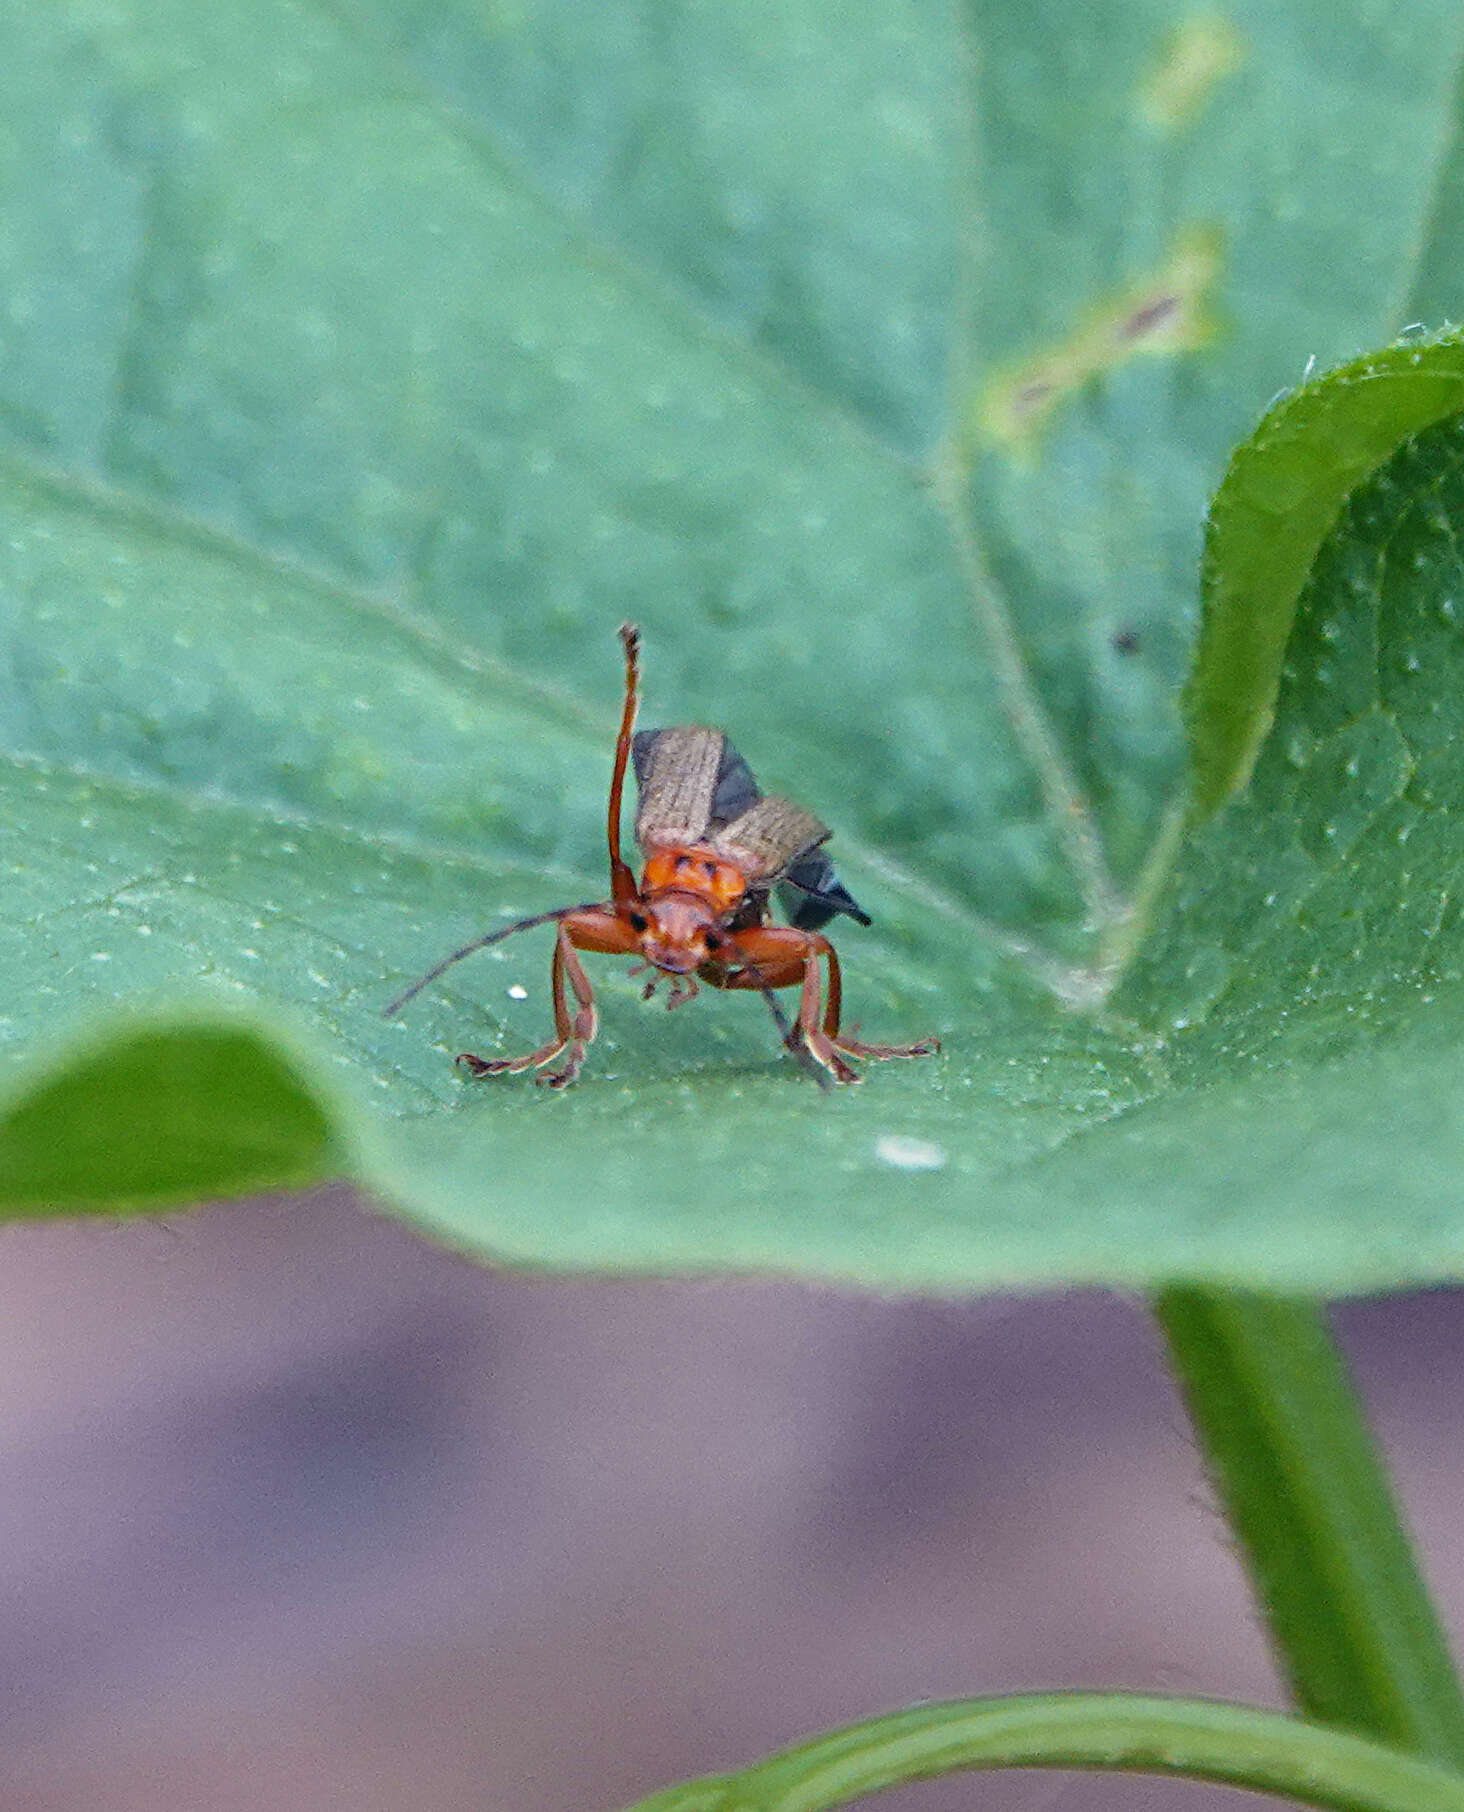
[575, 1028]
[572, 1030]
[851, 1046]
[583, 1023]
[778, 956]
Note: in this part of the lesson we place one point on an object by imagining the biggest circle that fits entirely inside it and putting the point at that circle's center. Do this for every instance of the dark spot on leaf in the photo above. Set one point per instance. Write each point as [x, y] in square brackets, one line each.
[1151, 315]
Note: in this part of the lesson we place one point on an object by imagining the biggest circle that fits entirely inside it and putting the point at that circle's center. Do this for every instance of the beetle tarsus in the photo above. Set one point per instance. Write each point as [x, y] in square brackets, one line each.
[927, 1047]
[504, 1066]
[567, 1072]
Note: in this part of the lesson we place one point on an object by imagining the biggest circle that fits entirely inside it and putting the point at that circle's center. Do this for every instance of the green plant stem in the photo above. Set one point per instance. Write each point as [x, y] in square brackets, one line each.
[1197, 1738]
[1308, 1498]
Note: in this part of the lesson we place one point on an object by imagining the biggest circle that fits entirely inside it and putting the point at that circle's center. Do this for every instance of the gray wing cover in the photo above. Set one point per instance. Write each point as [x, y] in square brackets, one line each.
[809, 890]
[768, 838]
[676, 776]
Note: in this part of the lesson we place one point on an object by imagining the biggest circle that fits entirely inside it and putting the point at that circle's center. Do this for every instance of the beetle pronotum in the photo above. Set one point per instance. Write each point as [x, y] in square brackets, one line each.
[714, 849]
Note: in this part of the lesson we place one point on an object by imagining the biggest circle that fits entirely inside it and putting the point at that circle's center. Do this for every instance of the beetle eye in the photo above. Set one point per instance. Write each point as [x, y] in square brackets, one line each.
[715, 940]
[638, 921]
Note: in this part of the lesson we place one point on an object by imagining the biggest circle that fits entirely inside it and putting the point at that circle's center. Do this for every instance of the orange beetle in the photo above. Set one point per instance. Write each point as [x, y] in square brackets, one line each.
[714, 848]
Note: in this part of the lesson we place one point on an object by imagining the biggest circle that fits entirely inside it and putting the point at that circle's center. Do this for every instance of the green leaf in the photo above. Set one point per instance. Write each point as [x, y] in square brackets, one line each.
[1282, 495]
[364, 368]
[164, 1113]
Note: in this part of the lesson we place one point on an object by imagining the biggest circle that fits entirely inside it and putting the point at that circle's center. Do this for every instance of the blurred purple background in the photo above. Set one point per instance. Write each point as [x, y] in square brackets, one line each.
[301, 1512]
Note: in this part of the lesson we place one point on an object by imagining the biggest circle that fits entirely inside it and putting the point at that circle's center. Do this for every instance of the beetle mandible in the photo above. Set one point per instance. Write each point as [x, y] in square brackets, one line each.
[715, 847]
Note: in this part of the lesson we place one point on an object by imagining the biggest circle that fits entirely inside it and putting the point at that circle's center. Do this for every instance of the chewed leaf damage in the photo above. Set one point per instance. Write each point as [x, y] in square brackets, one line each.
[1165, 313]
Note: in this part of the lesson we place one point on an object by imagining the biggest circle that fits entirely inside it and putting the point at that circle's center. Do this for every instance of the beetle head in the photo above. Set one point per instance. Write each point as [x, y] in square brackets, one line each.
[678, 932]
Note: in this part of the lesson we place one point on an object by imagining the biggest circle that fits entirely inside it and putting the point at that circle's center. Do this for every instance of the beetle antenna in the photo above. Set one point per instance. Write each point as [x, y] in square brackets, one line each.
[622, 881]
[482, 943]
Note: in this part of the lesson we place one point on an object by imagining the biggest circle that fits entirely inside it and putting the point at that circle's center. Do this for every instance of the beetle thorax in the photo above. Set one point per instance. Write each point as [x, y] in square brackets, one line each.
[695, 869]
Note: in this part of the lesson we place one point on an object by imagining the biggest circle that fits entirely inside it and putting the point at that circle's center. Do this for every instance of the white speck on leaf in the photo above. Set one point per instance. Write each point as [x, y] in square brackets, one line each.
[904, 1153]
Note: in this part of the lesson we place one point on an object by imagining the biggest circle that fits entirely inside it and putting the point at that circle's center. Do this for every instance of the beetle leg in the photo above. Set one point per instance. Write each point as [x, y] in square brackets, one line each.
[817, 1040]
[582, 1025]
[595, 929]
[742, 972]
[780, 956]
[683, 988]
[852, 1046]
[563, 1025]
[877, 1053]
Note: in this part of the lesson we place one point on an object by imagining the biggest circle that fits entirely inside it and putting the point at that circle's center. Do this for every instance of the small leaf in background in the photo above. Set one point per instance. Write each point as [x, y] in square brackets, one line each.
[364, 369]
[163, 1114]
